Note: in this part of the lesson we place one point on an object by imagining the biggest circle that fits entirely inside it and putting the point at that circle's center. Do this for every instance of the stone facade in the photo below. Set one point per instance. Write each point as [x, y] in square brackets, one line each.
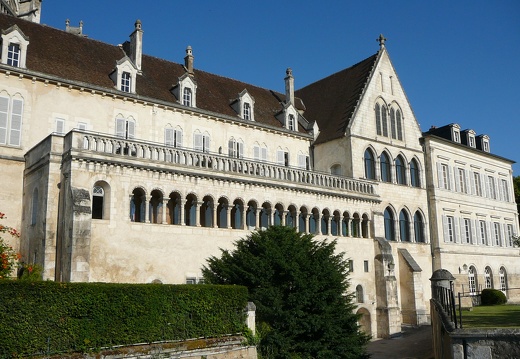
[128, 168]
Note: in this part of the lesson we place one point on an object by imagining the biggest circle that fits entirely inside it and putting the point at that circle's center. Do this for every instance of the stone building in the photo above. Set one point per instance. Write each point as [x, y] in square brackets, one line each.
[122, 167]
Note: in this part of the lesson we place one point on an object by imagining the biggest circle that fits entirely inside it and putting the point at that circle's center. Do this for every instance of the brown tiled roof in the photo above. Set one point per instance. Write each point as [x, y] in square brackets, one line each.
[331, 101]
[76, 58]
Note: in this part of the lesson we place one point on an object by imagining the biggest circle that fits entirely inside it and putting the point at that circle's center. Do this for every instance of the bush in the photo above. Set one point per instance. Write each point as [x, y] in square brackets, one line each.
[38, 317]
[493, 297]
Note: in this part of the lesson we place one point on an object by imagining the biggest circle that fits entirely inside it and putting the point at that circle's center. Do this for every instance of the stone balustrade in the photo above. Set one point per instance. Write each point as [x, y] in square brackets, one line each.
[137, 149]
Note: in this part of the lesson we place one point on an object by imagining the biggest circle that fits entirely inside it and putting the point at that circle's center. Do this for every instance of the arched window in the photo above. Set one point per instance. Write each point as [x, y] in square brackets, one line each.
[137, 205]
[418, 226]
[393, 126]
[356, 221]
[488, 276]
[174, 209]
[399, 122]
[314, 219]
[400, 170]
[345, 224]
[335, 170]
[251, 215]
[381, 120]
[335, 224]
[206, 212]
[290, 219]
[364, 226]
[190, 210]
[404, 226]
[302, 227]
[389, 225]
[359, 293]
[472, 280]
[386, 173]
[503, 279]
[35, 206]
[384, 120]
[278, 214]
[325, 215]
[237, 214]
[265, 215]
[370, 167]
[155, 207]
[415, 179]
[222, 210]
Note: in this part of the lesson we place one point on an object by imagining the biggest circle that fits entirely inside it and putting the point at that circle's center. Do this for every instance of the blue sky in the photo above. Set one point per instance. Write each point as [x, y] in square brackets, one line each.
[458, 61]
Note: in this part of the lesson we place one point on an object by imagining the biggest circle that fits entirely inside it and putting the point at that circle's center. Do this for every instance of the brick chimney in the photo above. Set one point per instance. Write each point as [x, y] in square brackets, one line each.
[188, 60]
[289, 87]
[136, 45]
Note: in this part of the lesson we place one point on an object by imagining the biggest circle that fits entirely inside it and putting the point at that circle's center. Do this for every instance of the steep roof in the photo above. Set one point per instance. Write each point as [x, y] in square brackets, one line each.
[76, 58]
[331, 102]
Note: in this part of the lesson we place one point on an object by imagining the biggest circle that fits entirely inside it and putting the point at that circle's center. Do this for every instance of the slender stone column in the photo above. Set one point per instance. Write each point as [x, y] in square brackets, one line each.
[228, 215]
[164, 210]
[197, 213]
[329, 229]
[257, 219]
[215, 214]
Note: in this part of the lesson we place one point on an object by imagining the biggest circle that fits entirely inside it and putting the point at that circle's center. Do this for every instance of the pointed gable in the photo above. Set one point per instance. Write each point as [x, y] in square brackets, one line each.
[331, 102]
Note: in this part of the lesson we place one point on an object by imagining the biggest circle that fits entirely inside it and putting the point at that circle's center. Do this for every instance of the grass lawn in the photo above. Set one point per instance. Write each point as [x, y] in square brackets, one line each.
[494, 316]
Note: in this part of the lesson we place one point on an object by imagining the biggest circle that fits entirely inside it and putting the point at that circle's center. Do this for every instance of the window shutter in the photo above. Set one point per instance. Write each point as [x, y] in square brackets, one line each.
[16, 123]
[450, 178]
[500, 190]
[280, 157]
[256, 153]
[168, 136]
[489, 231]
[301, 160]
[456, 231]
[483, 185]
[264, 153]
[240, 149]
[120, 127]
[474, 237]
[60, 125]
[131, 129]
[197, 141]
[4, 109]
[473, 184]
[439, 175]
[462, 233]
[445, 228]
[231, 148]
[178, 138]
[205, 143]
[456, 174]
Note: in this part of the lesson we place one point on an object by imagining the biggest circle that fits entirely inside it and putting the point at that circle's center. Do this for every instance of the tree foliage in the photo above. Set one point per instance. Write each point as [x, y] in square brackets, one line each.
[301, 291]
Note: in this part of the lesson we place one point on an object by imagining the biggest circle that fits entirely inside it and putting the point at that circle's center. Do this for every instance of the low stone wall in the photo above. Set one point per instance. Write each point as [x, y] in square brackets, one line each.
[451, 343]
[204, 348]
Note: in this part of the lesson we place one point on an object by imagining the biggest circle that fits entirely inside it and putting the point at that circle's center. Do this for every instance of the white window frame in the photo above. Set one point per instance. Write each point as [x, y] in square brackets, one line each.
[483, 233]
[235, 148]
[282, 157]
[303, 161]
[505, 190]
[11, 37]
[125, 128]
[201, 142]
[126, 81]
[478, 184]
[491, 187]
[450, 228]
[14, 54]
[187, 96]
[247, 111]
[291, 122]
[462, 180]
[497, 234]
[259, 153]
[60, 126]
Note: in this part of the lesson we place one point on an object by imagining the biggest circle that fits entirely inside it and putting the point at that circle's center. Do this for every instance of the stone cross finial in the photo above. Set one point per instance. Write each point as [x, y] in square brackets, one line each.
[381, 39]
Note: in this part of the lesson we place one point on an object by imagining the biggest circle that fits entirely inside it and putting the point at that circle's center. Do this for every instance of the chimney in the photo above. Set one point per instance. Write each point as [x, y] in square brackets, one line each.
[188, 60]
[289, 87]
[136, 45]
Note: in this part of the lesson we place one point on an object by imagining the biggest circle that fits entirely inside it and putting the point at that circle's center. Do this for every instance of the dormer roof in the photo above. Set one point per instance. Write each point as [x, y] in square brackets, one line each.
[89, 62]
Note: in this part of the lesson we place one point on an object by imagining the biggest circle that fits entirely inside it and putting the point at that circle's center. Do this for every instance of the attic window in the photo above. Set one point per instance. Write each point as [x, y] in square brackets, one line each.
[126, 81]
[485, 145]
[13, 55]
[186, 97]
[247, 111]
[456, 135]
[471, 141]
[14, 47]
[290, 123]
[186, 91]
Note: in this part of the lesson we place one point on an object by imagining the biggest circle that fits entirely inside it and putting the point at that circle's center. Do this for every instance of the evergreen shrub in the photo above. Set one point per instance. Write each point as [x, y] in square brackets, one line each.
[492, 297]
[50, 318]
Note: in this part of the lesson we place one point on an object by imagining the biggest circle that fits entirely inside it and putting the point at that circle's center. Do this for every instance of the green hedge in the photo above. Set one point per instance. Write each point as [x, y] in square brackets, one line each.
[49, 317]
[492, 297]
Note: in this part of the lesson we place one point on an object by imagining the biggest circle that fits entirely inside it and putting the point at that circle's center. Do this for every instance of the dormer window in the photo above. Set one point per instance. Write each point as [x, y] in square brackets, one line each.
[472, 141]
[244, 106]
[14, 47]
[124, 75]
[126, 82]
[290, 122]
[186, 97]
[247, 111]
[456, 135]
[13, 55]
[186, 91]
[486, 145]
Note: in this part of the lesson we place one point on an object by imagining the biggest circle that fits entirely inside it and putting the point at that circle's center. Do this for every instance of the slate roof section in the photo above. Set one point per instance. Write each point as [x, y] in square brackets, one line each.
[331, 102]
[70, 57]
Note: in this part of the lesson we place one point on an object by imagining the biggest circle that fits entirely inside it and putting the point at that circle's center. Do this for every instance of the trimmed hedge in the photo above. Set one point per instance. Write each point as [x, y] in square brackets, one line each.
[492, 297]
[50, 318]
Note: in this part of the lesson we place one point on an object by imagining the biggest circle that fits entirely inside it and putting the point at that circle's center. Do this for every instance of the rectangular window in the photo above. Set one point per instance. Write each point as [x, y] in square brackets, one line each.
[282, 158]
[82, 126]
[483, 233]
[186, 97]
[60, 125]
[365, 266]
[450, 228]
[201, 142]
[456, 136]
[126, 80]
[303, 161]
[462, 180]
[235, 149]
[467, 230]
[10, 121]
[472, 141]
[505, 190]
[510, 235]
[497, 233]
[486, 146]
[478, 184]
[13, 55]
[247, 111]
[350, 265]
[445, 177]
[491, 187]
[291, 125]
